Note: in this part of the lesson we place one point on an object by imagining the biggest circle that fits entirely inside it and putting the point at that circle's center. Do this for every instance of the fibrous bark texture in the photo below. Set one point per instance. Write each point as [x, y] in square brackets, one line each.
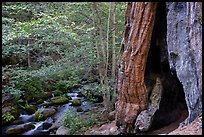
[184, 40]
[139, 22]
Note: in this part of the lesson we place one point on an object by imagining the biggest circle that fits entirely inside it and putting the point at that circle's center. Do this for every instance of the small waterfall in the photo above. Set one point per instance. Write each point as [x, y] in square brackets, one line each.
[26, 118]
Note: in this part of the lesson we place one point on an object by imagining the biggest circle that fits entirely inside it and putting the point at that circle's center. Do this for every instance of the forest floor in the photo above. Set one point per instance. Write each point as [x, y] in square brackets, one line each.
[110, 128]
[194, 128]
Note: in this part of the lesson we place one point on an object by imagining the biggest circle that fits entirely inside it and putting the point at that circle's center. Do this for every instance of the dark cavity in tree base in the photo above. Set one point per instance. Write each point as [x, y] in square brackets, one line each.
[172, 104]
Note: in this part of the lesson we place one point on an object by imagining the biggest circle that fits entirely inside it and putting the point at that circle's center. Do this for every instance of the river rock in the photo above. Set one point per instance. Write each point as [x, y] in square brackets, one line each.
[55, 125]
[19, 129]
[79, 109]
[105, 129]
[46, 125]
[76, 102]
[62, 131]
[42, 114]
[184, 41]
[67, 96]
[18, 121]
[145, 118]
[15, 130]
[29, 126]
[59, 100]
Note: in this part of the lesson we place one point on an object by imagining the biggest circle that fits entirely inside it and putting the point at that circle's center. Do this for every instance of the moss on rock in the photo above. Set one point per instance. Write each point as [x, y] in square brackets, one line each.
[59, 100]
[76, 102]
[42, 114]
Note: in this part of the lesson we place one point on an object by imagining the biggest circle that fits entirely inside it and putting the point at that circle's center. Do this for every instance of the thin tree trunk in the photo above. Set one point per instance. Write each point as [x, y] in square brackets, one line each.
[98, 56]
[139, 21]
[103, 79]
[107, 93]
[113, 54]
[97, 48]
[28, 54]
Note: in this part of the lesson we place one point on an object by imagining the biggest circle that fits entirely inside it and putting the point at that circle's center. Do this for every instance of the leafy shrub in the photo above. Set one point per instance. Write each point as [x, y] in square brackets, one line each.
[91, 90]
[13, 91]
[8, 117]
[72, 120]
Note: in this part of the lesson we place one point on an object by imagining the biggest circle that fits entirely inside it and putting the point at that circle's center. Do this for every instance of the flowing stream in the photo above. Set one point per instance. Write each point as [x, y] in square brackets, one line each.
[29, 119]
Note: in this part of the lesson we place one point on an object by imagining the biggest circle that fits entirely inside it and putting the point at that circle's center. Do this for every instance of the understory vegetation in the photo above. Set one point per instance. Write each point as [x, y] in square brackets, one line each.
[72, 120]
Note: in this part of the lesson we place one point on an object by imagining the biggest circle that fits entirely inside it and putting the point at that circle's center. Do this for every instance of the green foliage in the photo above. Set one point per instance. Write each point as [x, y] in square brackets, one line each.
[62, 85]
[13, 91]
[72, 120]
[92, 91]
[89, 93]
[8, 117]
[32, 85]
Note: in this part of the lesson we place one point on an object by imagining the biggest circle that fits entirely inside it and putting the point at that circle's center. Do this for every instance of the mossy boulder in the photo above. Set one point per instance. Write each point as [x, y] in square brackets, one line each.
[79, 109]
[76, 102]
[19, 129]
[69, 97]
[42, 114]
[59, 100]
[30, 109]
[18, 121]
[46, 125]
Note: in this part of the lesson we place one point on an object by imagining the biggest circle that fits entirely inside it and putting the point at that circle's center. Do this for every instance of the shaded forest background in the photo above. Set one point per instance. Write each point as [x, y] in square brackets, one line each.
[45, 45]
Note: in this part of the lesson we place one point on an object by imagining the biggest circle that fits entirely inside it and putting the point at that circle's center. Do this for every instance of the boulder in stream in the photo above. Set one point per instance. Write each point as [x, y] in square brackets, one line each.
[79, 109]
[62, 131]
[76, 102]
[19, 129]
[59, 100]
[42, 114]
[46, 125]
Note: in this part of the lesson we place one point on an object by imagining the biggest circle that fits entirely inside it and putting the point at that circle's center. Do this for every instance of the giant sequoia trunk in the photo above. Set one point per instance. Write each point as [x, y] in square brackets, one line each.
[172, 70]
[139, 22]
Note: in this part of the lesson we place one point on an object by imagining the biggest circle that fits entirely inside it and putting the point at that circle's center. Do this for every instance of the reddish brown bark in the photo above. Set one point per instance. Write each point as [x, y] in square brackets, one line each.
[139, 22]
